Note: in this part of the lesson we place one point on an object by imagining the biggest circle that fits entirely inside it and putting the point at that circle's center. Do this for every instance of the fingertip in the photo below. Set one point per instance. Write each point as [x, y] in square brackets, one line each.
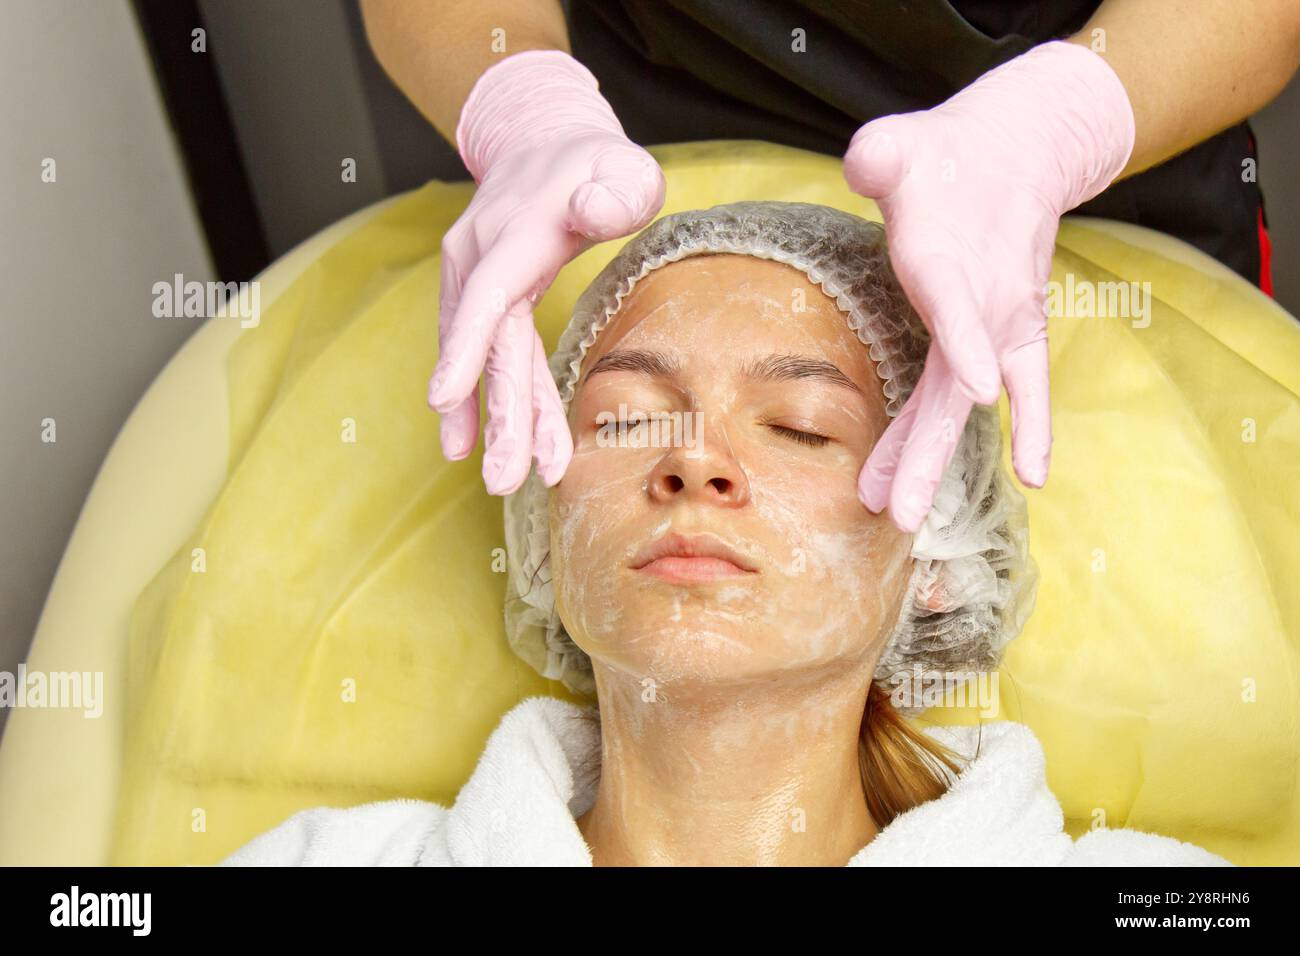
[601, 214]
[507, 459]
[980, 387]
[874, 165]
[905, 522]
[870, 492]
[1033, 474]
[554, 472]
[909, 522]
[563, 457]
[444, 394]
[1031, 449]
[455, 452]
[552, 465]
[458, 432]
[910, 507]
[873, 484]
[503, 477]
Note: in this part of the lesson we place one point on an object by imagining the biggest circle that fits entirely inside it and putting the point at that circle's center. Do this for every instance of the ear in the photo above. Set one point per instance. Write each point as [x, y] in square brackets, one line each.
[938, 598]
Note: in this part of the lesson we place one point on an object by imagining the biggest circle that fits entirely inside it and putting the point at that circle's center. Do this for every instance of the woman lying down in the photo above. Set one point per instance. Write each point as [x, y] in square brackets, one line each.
[706, 569]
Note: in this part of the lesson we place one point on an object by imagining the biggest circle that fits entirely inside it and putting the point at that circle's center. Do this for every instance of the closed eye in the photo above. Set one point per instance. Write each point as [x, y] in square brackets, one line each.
[804, 438]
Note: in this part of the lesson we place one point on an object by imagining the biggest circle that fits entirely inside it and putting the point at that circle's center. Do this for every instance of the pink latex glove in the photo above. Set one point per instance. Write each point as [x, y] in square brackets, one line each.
[972, 193]
[555, 175]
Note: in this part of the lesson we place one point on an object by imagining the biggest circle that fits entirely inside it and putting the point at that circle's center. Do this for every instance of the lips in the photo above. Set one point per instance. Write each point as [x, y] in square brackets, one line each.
[697, 557]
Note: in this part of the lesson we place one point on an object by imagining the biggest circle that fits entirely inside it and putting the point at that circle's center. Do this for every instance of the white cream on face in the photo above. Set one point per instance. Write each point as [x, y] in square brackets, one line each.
[729, 707]
[831, 573]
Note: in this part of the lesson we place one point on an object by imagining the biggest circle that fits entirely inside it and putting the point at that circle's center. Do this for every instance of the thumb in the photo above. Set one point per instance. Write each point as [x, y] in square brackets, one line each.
[626, 189]
[879, 156]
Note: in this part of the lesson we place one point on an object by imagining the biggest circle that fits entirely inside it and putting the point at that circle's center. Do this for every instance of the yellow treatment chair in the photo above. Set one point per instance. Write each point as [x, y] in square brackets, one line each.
[295, 601]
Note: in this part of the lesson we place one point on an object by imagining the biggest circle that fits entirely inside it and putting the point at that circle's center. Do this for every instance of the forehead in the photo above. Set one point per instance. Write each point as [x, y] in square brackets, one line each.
[709, 307]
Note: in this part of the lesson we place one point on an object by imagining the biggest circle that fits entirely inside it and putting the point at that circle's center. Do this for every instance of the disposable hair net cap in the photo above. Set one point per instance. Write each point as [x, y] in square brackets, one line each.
[973, 583]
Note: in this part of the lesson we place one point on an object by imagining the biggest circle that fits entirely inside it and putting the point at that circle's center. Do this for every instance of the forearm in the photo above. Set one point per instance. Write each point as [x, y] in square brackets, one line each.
[1195, 68]
[435, 51]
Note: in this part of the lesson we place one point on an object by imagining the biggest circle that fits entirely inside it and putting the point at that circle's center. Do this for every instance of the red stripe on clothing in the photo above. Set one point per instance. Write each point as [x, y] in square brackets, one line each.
[1265, 246]
[1265, 256]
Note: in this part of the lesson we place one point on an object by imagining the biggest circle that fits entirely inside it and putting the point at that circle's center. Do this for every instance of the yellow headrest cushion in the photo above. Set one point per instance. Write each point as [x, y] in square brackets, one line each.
[332, 632]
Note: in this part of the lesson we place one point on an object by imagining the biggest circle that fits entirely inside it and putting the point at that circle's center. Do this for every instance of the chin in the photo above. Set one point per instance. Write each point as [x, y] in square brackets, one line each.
[668, 646]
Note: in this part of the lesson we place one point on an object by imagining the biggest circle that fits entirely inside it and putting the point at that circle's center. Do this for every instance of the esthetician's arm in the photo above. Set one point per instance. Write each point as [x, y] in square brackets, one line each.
[1193, 69]
[555, 174]
[435, 50]
[972, 192]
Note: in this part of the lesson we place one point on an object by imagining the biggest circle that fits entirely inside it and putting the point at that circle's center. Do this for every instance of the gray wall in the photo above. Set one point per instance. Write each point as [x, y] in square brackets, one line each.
[78, 341]
[289, 71]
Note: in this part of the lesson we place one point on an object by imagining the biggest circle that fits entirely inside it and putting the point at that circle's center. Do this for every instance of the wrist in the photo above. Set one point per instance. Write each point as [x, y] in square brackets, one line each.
[1069, 110]
[525, 100]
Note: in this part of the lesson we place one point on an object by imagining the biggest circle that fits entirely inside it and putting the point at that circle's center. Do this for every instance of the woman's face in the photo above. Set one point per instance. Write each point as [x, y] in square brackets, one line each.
[729, 544]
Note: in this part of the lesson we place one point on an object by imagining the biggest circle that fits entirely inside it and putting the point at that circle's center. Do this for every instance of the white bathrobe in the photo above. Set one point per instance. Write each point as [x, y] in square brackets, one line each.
[520, 805]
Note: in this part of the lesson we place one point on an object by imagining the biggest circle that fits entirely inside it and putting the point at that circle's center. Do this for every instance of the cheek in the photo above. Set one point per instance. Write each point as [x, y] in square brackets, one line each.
[594, 527]
[845, 567]
[801, 495]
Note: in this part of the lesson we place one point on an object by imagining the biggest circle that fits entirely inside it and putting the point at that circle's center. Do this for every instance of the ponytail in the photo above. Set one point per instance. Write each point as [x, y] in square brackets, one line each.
[901, 767]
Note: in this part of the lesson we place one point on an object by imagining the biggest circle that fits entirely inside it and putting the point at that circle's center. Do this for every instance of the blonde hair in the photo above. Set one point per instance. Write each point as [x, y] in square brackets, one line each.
[901, 767]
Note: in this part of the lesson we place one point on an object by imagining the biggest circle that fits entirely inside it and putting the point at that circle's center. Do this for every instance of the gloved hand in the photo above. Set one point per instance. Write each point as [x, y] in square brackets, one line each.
[555, 175]
[972, 193]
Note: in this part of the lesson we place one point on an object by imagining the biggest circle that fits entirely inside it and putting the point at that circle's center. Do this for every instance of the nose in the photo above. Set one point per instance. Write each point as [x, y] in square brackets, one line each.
[713, 476]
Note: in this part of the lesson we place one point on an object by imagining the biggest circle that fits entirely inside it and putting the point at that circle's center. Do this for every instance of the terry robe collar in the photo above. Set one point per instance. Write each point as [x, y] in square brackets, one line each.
[519, 807]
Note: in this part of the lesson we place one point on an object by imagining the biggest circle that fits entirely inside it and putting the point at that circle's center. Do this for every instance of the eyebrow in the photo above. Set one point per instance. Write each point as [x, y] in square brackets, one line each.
[772, 368]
